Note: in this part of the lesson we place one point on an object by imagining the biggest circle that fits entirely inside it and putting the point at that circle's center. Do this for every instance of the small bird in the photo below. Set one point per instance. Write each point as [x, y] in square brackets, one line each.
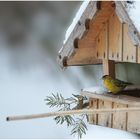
[114, 85]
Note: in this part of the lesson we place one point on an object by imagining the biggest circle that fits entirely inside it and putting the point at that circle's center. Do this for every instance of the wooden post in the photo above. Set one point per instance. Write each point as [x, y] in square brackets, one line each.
[109, 67]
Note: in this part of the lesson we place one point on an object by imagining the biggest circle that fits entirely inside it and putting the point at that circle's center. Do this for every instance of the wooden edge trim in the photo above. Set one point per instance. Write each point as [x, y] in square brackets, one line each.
[65, 61]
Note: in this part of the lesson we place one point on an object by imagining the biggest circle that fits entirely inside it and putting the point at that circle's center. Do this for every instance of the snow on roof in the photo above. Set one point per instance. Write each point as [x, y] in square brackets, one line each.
[134, 13]
[76, 19]
[133, 10]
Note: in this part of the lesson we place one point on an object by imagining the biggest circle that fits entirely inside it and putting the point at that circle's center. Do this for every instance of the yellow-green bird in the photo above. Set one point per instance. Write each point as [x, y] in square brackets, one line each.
[114, 85]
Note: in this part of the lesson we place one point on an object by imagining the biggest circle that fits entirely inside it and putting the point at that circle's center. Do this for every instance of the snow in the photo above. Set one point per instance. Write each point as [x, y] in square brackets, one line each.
[76, 19]
[96, 89]
[134, 13]
[103, 90]
[99, 132]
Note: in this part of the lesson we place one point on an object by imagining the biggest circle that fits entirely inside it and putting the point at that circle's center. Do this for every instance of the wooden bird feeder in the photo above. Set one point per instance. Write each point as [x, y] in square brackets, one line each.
[105, 34]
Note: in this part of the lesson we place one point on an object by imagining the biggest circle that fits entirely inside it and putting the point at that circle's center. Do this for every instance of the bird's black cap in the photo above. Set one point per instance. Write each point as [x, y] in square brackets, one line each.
[104, 76]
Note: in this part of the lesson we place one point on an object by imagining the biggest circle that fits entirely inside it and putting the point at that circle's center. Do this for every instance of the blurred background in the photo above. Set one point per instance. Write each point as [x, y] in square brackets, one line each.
[31, 34]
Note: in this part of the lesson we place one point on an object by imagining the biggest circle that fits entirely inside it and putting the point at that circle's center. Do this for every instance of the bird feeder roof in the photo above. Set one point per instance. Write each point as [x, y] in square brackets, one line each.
[94, 17]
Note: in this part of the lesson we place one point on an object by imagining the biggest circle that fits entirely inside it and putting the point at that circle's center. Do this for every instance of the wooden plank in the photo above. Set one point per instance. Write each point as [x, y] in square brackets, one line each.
[83, 56]
[119, 118]
[138, 54]
[124, 18]
[92, 119]
[77, 32]
[102, 43]
[129, 50]
[72, 62]
[98, 17]
[133, 123]
[104, 119]
[115, 38]
[96, 25]
[86, 34]
[87, 47]
[109, 67]
[121, 99]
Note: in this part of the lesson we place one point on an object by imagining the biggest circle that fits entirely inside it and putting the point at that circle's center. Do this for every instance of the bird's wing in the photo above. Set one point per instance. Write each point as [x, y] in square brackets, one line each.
[119, 83]
[124, 83]
[127, 83]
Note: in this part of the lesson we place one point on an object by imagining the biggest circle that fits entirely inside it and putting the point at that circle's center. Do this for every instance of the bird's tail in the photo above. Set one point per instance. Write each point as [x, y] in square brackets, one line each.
[127, 83]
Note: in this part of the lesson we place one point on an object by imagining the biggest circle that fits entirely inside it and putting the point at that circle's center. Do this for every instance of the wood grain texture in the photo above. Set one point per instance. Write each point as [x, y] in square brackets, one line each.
[102, 43]
[119, 119]
[92, 118]
[138, 54]
[83, 56]
[133, 124]
[115, 38]
[121, 99]
[109, 67]
[104, 119]
[128, 121]
[89, 27]
[96, 25]
[129, 50]
[78, 31]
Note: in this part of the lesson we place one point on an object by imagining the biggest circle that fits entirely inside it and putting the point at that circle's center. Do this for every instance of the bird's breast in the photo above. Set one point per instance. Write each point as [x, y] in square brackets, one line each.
[111, 86]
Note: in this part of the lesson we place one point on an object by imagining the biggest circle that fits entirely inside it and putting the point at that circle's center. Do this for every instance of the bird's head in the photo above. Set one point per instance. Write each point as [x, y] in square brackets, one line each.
[104, 77]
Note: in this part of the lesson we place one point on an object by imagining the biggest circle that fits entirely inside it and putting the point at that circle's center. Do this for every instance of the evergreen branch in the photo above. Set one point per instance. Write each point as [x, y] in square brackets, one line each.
[79, 128]
[61, 119]
[55, 100]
